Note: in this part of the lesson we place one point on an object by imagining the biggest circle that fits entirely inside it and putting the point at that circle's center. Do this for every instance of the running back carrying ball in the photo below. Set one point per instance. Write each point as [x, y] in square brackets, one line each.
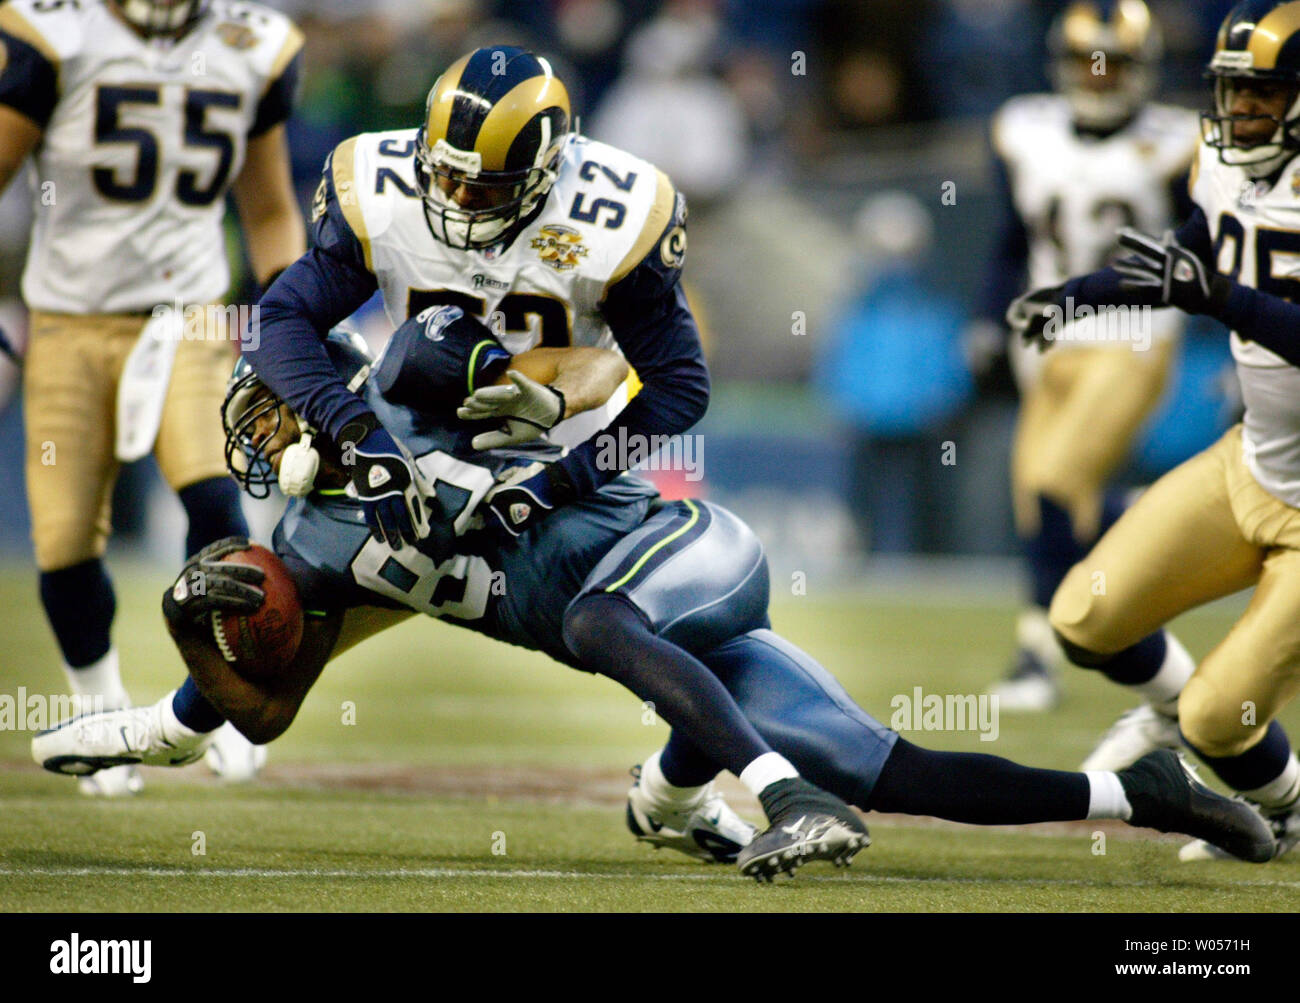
[240, 594]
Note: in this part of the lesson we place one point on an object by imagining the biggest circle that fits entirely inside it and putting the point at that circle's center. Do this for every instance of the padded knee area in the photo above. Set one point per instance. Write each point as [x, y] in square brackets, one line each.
[1212, 722]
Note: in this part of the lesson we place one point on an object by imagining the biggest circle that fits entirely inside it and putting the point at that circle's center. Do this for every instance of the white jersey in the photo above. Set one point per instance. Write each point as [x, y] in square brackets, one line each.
[1074, 192]
[144, 141]
[1256, 233]
[607, 211]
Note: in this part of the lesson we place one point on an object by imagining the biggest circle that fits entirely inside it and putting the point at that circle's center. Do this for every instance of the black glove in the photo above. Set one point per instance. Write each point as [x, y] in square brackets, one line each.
[385, 481]
[1038, 316]
[208, 584]
[1175, 273]
[524, 496]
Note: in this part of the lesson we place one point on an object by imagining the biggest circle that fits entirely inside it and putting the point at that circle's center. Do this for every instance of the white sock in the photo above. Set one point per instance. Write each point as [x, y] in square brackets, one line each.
[100, 679]
[661, 793]
[767, 769]
[1161, 691]
[173, 730]
[1281, 792]
[1106, 797]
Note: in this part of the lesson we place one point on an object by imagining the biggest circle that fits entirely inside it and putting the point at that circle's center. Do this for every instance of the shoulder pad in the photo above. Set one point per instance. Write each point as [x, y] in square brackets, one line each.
[57, 33]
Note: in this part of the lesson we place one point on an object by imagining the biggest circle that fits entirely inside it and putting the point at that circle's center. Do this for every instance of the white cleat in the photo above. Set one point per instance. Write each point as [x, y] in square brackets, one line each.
[129, 737]
[120, 781]
[1286, 833]
[709, 831]
[1137, 732]
[232, 757]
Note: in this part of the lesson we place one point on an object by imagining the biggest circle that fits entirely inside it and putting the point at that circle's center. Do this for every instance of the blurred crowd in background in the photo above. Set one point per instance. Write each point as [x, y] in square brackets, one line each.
[815, 140]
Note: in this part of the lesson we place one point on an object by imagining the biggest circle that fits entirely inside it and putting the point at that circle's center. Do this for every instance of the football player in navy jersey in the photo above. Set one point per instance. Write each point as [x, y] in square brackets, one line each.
[667, 598]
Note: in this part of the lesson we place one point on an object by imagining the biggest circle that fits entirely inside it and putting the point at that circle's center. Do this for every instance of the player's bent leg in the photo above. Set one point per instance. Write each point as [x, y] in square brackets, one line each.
[690, 577]
[803, 712]
[1179, 546]
[1228, 709]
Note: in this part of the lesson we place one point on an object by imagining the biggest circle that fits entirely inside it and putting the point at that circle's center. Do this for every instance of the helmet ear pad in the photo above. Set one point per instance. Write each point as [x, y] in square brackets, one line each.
[299, 465]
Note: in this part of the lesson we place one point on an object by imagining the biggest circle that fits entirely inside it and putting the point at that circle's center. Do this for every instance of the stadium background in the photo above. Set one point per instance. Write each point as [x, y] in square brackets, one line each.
[469, 738]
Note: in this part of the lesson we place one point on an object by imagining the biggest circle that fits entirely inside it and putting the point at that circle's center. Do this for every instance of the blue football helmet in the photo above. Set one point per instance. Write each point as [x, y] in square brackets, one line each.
[248, 400]
[489, 148]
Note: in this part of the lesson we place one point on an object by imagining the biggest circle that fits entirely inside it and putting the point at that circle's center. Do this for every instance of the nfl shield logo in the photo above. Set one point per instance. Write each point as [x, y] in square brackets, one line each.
[519, 512]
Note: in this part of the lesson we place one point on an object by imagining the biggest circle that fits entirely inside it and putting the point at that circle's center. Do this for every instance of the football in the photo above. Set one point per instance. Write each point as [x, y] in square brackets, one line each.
[261, 644]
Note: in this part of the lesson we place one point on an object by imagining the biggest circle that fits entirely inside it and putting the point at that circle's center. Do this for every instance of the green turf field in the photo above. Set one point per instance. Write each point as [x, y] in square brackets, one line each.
[481, 777]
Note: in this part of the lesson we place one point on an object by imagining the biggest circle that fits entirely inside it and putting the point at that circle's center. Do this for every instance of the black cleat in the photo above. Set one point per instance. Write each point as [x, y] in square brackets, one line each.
[807, 824]
[1167, 797]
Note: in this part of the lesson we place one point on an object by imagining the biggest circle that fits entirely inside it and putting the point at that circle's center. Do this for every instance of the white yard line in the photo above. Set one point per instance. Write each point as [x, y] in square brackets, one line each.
[855, 878]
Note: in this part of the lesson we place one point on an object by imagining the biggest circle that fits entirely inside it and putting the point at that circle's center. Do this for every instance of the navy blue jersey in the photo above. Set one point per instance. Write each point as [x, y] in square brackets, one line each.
[515, 592]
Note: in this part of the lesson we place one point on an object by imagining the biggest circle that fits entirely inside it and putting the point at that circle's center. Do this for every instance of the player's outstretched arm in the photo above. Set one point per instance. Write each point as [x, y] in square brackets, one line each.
[268, 208]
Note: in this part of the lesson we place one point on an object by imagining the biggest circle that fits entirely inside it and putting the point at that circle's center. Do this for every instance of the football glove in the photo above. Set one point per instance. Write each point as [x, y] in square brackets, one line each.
[1029, 315]
[528, 409]
[385, 481]
[208, 584]
[523, 496]
[1175, 273]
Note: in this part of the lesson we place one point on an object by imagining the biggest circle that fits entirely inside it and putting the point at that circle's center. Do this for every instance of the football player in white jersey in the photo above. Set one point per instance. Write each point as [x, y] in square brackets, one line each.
[1229, 518]
[138, 116]
[1076, 166]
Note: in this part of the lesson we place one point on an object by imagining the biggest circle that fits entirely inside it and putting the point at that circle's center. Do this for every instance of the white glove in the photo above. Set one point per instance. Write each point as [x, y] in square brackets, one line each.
[528, 409]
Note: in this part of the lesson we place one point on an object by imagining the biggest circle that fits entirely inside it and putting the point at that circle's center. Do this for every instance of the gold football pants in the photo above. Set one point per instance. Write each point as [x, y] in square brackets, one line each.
[1204, 530]
[70, 381]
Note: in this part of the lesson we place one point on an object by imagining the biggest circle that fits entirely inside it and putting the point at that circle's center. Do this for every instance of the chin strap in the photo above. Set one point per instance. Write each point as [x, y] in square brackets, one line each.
[299, 465]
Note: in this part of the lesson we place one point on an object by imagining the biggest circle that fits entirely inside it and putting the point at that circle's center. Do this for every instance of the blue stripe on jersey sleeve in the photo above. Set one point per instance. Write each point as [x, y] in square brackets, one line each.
[29, 83]
[277, 103]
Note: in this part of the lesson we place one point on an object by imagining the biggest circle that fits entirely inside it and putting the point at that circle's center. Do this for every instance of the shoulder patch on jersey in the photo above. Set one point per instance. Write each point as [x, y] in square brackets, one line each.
[559, 246]
[236, 35]
[672, 249]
